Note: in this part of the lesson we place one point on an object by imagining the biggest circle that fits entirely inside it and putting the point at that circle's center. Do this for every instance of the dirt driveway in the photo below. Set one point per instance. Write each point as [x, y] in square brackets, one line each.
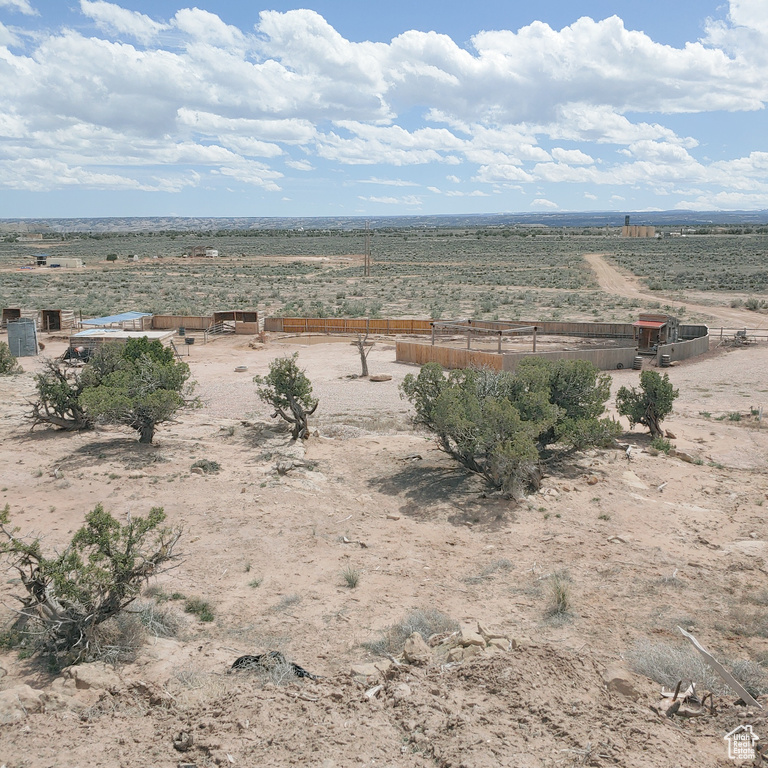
[613, 281]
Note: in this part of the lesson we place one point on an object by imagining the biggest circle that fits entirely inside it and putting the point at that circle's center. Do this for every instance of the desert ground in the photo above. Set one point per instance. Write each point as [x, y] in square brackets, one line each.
[645, 545]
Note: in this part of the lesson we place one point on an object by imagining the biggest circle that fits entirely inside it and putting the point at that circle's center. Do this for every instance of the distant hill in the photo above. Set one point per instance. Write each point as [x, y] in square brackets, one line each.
[542, 220]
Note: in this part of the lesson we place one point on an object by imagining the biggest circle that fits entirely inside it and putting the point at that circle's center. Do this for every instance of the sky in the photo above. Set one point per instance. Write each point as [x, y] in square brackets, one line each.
[353, 108]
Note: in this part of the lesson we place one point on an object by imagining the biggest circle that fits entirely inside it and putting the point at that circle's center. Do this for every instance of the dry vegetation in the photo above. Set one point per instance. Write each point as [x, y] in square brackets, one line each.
[484, 273]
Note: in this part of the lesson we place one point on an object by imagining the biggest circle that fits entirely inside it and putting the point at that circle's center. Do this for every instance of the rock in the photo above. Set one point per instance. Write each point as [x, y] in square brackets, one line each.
[683, 456]
[97, 675]
[592, 480]
[462, 654]
[18, 702]
[488, 634]
[621, 681]
[670, 435]
[393, 516]
[197, 471]
[456, 654]
[500, 642]
[470, 637]
[472, 650]
[374, 669]
[402, 691]
[416, 650]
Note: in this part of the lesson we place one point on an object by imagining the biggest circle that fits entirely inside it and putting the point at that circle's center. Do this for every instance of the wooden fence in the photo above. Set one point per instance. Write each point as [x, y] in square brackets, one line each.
[193, 322]
[386, 326]
[448, 357]
[394, 326]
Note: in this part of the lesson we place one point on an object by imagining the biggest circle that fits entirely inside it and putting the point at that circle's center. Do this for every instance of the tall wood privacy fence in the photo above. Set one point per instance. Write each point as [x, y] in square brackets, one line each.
[448, 357]
[346, 325]
[169, 322]
[424, 327]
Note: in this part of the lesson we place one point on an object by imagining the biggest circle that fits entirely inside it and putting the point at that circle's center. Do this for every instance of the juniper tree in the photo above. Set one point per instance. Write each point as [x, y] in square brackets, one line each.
[288, 390]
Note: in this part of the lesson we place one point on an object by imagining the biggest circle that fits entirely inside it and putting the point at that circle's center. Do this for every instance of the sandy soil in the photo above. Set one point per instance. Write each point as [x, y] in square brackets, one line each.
[648, 544]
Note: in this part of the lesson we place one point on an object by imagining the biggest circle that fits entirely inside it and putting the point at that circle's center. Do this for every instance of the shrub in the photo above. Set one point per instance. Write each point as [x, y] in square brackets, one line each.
[94, 579]
[9, 366]
[661, 444]
[498, 424]
[138, 384]
[200, 608]
[668, 664]
[288, 390]
[58, 398]
[209, 467]
[651, 404]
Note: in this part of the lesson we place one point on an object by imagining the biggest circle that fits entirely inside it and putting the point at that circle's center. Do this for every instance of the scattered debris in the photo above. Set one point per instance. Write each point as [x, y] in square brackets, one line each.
[268, 661]
[183, 741]
[724, 674]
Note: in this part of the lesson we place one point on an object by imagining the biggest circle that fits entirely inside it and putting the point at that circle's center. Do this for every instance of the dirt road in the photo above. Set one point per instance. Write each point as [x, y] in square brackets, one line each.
[613, 281]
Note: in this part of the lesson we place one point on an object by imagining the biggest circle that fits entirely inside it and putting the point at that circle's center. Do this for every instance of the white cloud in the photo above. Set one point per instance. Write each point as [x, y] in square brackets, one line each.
[205, 27]
[571, 156]
[22, 6]
[112, 18]
[389, 182]
[472, 193]
[300, 165]
[545, 204]
[532, 106]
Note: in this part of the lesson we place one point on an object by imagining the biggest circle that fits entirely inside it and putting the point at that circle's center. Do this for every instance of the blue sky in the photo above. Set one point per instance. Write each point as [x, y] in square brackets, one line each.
[226, 108]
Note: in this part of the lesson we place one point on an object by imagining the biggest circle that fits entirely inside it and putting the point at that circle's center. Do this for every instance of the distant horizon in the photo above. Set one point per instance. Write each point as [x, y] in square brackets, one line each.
[672, 218]
[137, 107]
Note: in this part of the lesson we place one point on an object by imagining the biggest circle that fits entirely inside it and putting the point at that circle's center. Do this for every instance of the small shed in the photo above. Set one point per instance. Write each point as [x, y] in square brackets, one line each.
[652, 330]
[245, 321]
[126, 321]
[14, 313]
[53, 320]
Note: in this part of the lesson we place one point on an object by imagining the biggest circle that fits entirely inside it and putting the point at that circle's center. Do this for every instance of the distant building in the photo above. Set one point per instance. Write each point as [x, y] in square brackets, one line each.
[203, 251]
[64, 263]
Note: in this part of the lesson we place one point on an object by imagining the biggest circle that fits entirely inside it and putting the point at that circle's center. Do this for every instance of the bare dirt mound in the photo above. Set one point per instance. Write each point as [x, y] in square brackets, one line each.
[532, 707]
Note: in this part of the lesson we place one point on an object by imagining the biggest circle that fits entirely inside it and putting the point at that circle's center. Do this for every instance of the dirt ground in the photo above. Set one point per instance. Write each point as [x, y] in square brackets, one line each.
[646, 544]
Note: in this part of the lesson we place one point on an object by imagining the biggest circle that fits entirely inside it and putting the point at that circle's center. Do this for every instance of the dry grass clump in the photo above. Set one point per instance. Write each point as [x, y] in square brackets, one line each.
[668, 664]
[426, 622]
[351, 576]
[286, 602]
[489, 572]
[559, 598]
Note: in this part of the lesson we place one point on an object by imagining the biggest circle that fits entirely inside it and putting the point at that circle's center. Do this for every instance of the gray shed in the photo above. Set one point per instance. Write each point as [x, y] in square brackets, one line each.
[22, 337]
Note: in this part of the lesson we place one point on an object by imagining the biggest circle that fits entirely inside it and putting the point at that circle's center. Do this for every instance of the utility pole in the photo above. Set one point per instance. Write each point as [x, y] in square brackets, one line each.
[367, 269]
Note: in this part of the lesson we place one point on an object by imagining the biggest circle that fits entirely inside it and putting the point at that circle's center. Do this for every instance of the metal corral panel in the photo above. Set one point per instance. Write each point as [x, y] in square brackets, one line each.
[22, 337]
